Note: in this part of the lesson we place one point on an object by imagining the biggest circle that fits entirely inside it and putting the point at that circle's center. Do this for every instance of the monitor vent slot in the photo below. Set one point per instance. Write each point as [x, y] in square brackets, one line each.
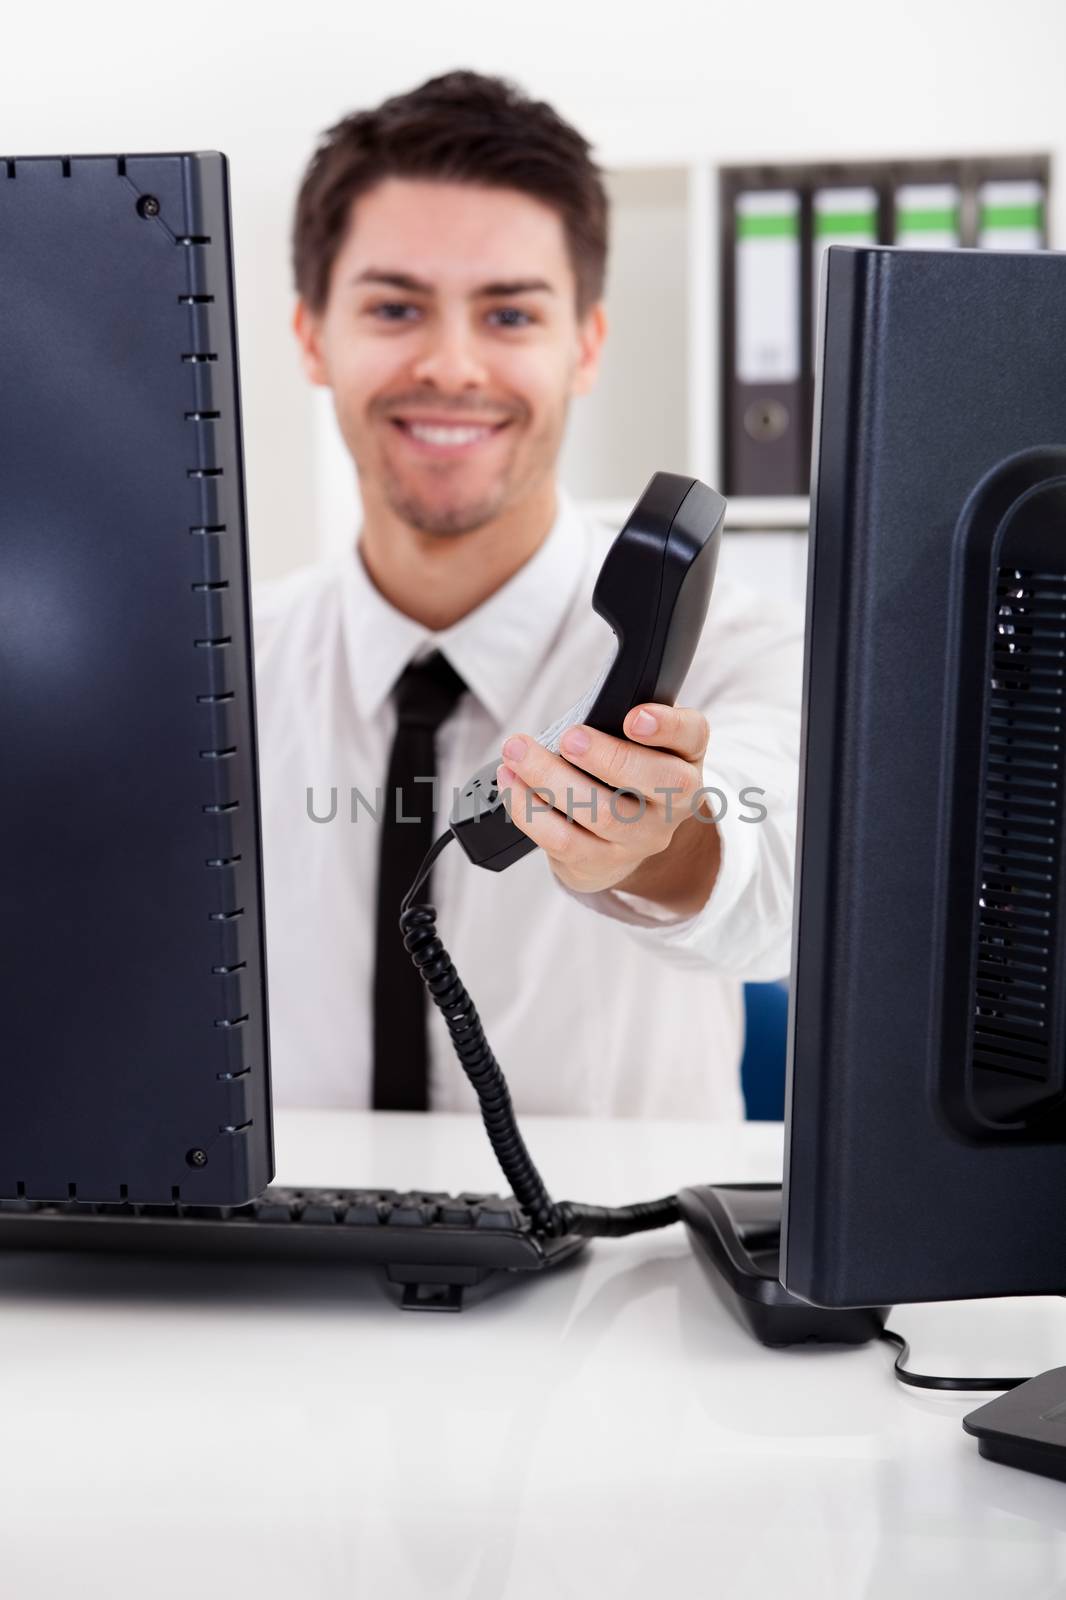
[1019, 849]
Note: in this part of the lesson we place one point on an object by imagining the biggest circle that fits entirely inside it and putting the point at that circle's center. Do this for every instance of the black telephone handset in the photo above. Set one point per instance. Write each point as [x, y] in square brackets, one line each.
[653, 589]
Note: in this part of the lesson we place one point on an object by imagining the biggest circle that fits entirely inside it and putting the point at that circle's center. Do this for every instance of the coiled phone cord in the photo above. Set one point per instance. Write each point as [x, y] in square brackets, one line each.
[418, 923]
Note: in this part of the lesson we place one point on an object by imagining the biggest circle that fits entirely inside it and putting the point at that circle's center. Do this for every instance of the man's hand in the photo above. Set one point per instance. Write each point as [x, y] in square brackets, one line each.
[656, 838]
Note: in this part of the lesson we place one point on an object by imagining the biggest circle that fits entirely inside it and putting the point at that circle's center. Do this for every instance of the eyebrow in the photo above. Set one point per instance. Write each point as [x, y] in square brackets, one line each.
[501, 288]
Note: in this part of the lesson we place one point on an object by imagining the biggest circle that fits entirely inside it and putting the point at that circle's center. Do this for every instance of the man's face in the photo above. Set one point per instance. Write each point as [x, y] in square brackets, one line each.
[451, 341]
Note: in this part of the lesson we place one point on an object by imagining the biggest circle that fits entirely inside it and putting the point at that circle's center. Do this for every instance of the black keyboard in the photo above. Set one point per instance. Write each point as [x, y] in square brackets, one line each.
[434, 1246]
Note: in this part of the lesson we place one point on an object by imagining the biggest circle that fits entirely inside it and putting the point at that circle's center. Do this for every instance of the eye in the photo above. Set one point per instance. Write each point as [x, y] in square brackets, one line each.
[512, 317]
[394, 311]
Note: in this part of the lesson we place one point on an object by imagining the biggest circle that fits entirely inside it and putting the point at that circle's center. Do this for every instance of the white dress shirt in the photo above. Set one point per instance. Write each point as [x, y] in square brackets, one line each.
[597, 1004]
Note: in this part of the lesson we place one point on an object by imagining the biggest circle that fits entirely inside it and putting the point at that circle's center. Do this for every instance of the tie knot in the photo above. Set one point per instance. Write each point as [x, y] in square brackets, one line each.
[427, 691]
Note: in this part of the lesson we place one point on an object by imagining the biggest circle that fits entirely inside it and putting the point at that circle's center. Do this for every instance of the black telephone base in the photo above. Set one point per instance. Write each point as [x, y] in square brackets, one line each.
[736, 1231]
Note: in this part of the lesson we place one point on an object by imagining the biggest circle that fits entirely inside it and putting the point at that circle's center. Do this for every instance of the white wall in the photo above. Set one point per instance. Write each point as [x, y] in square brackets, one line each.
[667, 82]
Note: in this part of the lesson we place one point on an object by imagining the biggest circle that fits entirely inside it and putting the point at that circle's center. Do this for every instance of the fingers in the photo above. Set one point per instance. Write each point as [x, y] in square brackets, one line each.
[679, 729]
[624, 765]
[568, 843]
[550, 797]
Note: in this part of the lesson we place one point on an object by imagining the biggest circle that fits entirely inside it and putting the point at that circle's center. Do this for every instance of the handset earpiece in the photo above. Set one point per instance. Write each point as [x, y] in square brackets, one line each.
[653, 590]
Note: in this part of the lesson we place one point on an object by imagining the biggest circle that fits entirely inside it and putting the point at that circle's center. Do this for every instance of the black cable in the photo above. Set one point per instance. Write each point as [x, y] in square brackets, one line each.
[923, 1380]
[423, 943]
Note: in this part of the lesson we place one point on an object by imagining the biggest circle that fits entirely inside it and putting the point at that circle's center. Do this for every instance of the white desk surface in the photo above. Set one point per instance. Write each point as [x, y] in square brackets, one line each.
[173, 1429]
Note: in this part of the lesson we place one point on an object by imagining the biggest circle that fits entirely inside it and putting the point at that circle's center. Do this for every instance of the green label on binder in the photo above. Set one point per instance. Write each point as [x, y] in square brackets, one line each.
[938, 221]
[779, 225]
[839, 223]
[1024, 216]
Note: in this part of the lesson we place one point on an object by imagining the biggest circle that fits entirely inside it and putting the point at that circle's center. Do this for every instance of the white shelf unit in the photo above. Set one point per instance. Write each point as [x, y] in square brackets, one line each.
[744, 514]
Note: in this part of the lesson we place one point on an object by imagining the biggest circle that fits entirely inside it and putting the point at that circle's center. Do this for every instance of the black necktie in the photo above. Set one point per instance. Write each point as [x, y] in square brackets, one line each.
[424, 695]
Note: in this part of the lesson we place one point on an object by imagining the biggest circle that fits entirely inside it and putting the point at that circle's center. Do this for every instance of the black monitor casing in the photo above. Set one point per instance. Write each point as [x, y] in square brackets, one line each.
[926, 1132]
[133, 1028]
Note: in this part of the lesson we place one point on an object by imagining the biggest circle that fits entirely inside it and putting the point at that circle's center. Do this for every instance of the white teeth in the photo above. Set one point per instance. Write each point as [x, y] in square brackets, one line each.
[446, 436]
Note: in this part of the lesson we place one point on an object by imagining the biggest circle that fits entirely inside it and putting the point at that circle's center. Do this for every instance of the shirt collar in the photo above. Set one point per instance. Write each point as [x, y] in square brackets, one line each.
[496, 648]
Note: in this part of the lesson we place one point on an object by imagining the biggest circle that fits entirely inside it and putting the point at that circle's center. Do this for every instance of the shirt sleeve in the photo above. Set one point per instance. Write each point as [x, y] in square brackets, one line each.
[747, 680]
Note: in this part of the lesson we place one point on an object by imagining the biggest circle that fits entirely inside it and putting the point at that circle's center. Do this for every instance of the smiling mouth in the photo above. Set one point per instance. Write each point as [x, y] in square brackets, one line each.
[447, 438]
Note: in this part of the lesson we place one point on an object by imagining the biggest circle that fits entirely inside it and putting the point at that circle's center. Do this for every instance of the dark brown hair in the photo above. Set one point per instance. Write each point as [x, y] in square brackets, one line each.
[461, 127]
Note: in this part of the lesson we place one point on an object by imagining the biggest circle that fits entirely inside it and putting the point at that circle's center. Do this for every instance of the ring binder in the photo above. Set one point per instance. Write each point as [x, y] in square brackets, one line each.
[928, 216]
[1010, 215]
[841, 216]
[767, 449]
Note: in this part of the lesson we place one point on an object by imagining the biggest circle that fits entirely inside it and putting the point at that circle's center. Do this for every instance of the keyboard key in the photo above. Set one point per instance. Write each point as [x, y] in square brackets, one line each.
[316, 1211]
[406, 1215]
[456, 1216]
[365, 1214]
[498, 1214]
[273, 1211]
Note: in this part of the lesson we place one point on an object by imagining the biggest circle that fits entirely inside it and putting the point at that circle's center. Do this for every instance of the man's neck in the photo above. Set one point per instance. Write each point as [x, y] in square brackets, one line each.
[438, 578]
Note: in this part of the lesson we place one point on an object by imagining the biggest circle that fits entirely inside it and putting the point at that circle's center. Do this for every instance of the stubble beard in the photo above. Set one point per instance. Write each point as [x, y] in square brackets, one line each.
[443, 521]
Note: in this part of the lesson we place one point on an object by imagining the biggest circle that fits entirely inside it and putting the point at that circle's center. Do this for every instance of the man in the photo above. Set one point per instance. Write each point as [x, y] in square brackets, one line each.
[449, 253]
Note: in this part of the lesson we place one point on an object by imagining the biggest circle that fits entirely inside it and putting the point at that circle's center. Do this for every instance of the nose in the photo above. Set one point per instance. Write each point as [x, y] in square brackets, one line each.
[449, 360]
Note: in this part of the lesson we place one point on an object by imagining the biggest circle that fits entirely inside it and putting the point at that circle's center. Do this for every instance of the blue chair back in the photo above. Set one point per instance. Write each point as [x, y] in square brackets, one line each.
[762, 1069]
